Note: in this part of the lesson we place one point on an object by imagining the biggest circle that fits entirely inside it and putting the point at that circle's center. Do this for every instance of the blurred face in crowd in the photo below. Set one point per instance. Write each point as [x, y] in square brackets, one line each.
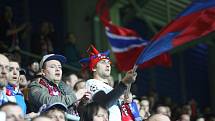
[4, 68]
[14, 73]
[103, 68]
[159, 117]
[8, 13]
[169, 113]
[145, 105]
[187, 109]
[23, 81]
[53, 71]
[13, 113]
[71, 38]
[200, 119]
[185, 117]
[102, 115]
[163, 110]
[80, 85]
[45, 28]
[35, 66]
[72, 80]
[56, 115]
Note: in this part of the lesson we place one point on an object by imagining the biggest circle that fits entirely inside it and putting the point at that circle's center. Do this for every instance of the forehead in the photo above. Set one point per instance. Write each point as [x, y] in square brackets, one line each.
[185, 116]
[4, 60]
[13, 64]
[51, 62]
[145, 102]
[12, 109]
[162, 108]
[73, 76]
[159, 117]
[35, 64]
[102, 110]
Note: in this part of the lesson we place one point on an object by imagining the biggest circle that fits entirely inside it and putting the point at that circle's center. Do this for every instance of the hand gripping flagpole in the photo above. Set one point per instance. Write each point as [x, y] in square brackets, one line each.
[135, 68]
[127, 92]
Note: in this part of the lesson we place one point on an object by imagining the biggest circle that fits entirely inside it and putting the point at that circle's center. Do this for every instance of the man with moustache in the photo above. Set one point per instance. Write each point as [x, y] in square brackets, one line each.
[49, 88]
[13, 91]
[4, 68]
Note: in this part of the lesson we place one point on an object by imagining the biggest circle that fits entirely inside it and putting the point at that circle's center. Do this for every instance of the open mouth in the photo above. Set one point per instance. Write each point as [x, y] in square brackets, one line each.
[15, 78]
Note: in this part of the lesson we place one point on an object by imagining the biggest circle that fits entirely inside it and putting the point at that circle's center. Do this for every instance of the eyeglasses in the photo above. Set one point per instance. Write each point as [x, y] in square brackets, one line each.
[2, 67]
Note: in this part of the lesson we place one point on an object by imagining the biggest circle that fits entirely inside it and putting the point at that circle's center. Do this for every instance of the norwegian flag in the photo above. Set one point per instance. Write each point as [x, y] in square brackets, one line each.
[126, 44]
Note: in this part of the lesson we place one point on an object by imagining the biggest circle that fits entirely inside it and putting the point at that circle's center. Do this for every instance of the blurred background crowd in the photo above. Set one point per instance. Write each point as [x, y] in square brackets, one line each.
[32, 29]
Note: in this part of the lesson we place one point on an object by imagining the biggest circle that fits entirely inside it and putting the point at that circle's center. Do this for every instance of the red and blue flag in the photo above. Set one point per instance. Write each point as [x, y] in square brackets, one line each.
[195, 21]
[126, 44]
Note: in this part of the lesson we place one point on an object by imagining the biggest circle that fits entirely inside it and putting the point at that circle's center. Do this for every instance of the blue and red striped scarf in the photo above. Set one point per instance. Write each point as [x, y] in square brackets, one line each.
[10, 91]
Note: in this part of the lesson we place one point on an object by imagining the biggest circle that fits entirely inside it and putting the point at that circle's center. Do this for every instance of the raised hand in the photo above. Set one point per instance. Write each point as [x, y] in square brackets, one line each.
[130, 77]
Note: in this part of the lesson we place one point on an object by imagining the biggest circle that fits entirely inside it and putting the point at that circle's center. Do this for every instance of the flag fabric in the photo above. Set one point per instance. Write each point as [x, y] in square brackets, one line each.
[126, 44]
[195, 21]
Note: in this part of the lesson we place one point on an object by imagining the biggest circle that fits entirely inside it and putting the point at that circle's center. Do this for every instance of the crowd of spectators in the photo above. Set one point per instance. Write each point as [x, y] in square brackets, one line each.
[42, 92]
[37, 98]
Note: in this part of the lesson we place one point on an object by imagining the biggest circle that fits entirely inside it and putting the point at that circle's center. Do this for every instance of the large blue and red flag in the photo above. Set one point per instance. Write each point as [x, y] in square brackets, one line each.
[126, 43]
[195, 21]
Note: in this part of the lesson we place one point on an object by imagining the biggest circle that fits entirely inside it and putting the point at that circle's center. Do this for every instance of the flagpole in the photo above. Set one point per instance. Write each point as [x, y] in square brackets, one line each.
[135, 68]
[127, 92]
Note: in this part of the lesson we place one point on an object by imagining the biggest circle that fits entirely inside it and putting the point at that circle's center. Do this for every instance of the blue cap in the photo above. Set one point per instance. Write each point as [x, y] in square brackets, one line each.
[58, 105]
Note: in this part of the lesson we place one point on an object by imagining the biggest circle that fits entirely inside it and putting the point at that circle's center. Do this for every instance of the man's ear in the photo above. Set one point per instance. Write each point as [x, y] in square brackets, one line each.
[43, 71]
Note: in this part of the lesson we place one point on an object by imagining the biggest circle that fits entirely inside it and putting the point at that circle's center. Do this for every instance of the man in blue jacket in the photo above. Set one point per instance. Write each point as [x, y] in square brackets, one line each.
[13, 92]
